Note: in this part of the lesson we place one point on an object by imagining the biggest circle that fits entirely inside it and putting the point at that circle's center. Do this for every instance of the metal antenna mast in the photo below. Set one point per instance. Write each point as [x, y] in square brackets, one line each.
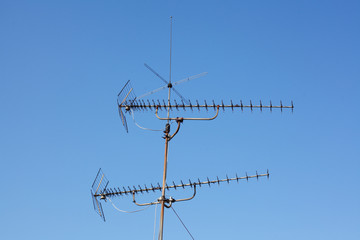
[167, 139]
[128, 102]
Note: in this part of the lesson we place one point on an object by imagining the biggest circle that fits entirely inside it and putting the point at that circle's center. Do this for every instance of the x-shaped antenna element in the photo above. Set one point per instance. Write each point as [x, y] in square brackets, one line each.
[170, 85]
[189, 78]
[158, 75]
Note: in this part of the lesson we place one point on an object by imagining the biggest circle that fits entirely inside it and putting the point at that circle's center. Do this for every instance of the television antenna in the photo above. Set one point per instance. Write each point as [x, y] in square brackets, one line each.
[128, 103]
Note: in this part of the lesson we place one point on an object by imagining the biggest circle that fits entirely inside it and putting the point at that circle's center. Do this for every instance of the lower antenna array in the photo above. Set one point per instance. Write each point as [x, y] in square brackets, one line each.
[117, 191]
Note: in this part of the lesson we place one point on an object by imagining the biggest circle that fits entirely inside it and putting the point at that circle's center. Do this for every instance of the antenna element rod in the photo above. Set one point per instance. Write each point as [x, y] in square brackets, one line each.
[170, 85]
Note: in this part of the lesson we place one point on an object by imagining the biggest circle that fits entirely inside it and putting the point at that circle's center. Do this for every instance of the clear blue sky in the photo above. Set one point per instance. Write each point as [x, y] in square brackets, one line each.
[63, 63]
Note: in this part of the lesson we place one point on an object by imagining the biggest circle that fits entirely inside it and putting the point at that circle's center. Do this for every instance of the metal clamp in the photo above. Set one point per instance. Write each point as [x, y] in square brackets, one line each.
[179, 121]
[169, 200]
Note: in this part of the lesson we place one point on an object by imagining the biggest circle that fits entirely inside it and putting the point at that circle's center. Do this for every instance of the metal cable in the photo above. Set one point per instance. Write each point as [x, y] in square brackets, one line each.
[182, 223]
[155, 223]
[132, 114]
[127, 211]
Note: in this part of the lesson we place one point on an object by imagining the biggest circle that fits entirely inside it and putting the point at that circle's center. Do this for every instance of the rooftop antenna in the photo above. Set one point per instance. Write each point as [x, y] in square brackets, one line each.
[128, 102]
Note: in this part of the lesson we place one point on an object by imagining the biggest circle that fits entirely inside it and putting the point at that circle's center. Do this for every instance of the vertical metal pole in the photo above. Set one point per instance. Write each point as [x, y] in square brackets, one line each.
[164, 184]
[167, 139]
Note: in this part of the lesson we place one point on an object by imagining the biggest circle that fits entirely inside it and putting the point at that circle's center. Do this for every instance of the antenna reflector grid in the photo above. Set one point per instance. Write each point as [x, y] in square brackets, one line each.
[97, 206]
[125, 97]
[100, 183]
[98, 188]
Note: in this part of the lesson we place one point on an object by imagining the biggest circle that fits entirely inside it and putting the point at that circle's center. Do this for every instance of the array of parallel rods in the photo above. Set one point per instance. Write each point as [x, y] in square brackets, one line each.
[140, 104]
[100, 182]
[111, 192]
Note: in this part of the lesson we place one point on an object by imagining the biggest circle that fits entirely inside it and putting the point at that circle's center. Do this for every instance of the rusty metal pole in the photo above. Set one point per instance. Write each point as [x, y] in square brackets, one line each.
[162, 199]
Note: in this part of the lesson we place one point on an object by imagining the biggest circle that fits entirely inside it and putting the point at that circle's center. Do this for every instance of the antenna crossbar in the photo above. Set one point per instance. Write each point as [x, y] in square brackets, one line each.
[112, 192]
[142, 105]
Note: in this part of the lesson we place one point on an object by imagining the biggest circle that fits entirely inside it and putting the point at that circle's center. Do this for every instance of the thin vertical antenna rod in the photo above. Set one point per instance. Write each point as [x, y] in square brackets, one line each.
[170, 85]
[170, 47]
[167, 139]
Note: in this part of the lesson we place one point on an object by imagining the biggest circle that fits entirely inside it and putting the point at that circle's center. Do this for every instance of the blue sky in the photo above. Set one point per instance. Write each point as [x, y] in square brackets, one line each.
[63, 63]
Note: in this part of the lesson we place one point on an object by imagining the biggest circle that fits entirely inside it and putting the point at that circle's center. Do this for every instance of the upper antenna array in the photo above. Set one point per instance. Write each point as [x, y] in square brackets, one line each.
[128, 102]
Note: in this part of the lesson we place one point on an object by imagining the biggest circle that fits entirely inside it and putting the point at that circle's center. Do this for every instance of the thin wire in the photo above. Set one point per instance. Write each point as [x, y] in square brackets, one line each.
[133, 117]
[155, 223]
[182, 223]
[127, 211]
